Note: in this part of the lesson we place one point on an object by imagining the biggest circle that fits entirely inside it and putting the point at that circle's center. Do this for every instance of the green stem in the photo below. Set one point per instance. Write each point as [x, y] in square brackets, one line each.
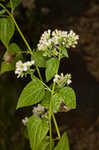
[46, 86]
[24, 52]
[50, 114]
[50, 127]
[56, 126]
[25, 41]
[38, 71]
[53, 116]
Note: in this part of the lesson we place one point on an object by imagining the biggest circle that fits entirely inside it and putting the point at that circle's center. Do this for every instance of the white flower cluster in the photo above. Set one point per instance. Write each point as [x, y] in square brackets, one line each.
[24, 121]
[40, 111]
[21, 68]
[66, 39]
[61, 79]
[45, 40]
[50, 41]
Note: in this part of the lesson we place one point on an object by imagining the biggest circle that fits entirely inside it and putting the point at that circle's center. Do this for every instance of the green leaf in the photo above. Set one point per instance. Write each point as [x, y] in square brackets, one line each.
[10, 58]
[6, 67]
[14, 4]
[52, 66]
[14, 48]
[44, 144]
[40, 60]
[32, 93]
[65, 98]
[37, 130]
[69, 96]
[63, 144]
[7, 29]
[46, 99]
[56, 102]
[64, 52]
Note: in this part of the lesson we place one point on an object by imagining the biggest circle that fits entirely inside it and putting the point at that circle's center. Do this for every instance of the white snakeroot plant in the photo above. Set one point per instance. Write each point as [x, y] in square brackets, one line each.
[46, 100]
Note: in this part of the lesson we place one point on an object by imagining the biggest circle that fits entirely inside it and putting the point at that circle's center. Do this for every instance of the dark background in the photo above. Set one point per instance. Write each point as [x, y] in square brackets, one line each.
[82, 124]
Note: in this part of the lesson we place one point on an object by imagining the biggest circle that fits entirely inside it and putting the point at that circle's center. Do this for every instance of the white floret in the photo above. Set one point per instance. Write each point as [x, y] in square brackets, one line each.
[56, 77]
[69, 82]
[24, 121]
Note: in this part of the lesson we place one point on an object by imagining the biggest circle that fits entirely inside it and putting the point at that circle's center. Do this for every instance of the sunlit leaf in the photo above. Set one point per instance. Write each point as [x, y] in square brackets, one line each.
[68, 96]
[64, 100]
[31, 94]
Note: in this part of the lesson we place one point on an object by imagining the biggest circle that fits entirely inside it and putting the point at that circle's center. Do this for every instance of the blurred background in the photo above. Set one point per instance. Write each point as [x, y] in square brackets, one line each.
[82, 124]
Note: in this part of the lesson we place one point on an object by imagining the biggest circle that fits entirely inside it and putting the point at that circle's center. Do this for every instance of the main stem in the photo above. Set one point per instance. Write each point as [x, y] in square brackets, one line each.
[50, 114]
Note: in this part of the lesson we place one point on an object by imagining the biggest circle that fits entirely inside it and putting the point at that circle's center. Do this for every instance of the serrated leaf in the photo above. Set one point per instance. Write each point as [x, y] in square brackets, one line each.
[32, 93]
[65, 98]
[69, 97]
[37, 130]
[46, 99]
[7, 29]
[63, 144]
[52, 66]
[40, 60]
